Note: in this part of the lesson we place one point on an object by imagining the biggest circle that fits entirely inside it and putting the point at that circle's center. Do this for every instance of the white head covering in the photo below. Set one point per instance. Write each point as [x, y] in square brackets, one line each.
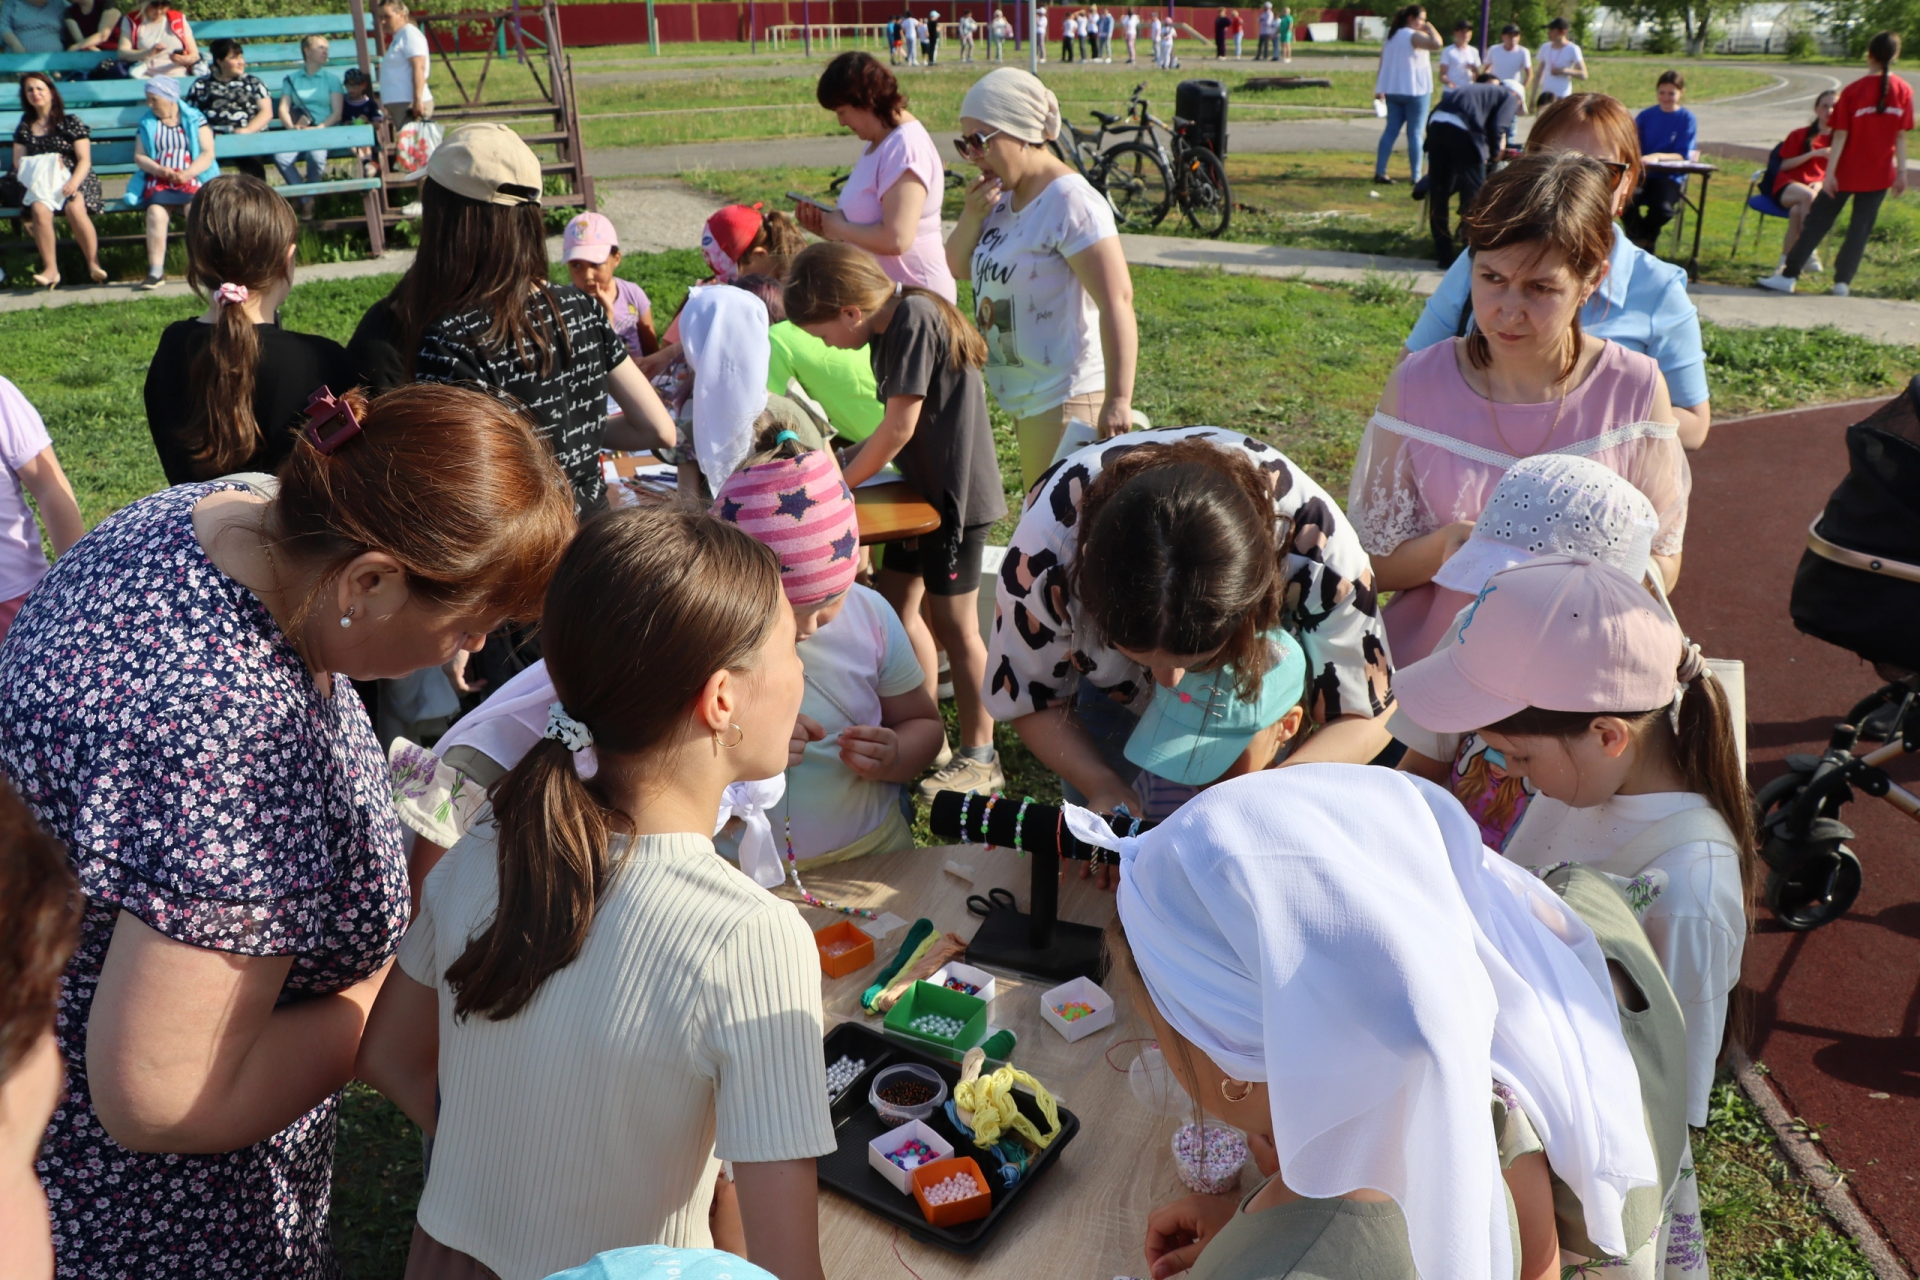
[723, 332]
[1556, 504]
[1016, 103]
[505, 727]
[1340, 932]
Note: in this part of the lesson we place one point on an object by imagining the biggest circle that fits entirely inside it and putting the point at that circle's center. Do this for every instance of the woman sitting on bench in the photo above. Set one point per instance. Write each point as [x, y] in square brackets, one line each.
[173, 148]
[53, 174]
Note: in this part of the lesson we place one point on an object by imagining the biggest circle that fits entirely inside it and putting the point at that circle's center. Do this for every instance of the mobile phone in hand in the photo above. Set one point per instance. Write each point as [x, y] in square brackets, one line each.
[816, 201]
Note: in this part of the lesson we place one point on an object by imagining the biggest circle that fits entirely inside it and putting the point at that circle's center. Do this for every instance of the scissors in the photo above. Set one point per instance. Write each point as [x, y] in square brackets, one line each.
[996, 899]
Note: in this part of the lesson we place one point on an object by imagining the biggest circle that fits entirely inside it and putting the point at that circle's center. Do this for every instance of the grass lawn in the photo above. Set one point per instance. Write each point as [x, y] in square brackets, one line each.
[1298, 364]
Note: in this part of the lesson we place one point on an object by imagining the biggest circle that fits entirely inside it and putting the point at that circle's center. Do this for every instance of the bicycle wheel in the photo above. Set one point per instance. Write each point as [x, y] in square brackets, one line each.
[1201, 187]
[1135, 183]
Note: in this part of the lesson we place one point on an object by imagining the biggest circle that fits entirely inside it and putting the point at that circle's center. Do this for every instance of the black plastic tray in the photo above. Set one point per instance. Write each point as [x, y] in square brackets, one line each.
[856, 1123]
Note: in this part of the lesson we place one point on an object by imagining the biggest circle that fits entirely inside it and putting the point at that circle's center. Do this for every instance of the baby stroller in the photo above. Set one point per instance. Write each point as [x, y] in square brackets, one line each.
[1858, 586]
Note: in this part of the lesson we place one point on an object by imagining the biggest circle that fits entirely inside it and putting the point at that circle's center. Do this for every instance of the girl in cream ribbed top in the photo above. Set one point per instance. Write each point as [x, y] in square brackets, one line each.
[688, 1029]
[593, 1009]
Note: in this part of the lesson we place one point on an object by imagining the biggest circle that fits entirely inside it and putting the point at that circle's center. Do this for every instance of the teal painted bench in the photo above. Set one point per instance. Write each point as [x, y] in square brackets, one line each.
[113, 157]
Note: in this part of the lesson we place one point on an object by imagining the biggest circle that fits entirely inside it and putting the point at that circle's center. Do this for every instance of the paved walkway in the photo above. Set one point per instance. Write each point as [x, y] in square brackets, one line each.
[660, 213]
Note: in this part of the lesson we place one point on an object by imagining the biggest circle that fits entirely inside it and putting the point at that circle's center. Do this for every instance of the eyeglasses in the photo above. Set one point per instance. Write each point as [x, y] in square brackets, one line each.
[973, 145]
[1617, 168]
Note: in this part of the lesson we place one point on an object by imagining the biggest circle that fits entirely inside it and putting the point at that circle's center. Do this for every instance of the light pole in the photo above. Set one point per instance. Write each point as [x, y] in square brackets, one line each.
[1033, 37]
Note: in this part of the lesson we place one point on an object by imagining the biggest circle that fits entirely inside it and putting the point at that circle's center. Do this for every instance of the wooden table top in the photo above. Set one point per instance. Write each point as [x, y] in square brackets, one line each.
[1086, 1218]
[887, 512]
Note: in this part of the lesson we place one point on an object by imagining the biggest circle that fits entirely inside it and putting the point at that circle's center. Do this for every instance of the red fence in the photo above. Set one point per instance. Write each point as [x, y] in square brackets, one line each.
[626, 23]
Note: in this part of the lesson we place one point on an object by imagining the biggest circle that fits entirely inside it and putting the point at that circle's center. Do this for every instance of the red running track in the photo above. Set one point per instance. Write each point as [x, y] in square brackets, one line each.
[1839, 1008]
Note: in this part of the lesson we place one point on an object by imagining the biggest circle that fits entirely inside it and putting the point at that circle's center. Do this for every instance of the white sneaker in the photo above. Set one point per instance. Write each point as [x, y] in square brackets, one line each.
[1813, 263]
[964, 774]
[1777, 282]
[413, 209]
[1839, 289]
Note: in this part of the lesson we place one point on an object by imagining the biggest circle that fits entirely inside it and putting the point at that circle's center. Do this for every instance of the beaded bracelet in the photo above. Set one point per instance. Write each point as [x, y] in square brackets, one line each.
[986, 832]
[1019, 823]
[966, 802]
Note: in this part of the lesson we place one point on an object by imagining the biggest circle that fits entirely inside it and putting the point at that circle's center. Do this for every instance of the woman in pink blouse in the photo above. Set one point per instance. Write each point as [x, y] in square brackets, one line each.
[891, 204]
[1524, 381]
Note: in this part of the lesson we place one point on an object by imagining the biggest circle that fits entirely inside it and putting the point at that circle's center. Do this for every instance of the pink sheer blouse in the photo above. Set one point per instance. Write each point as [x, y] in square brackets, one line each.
[1439, 462]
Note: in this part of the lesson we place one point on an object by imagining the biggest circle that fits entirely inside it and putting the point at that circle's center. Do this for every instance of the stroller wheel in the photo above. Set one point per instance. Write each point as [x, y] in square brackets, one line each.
[1816, 891]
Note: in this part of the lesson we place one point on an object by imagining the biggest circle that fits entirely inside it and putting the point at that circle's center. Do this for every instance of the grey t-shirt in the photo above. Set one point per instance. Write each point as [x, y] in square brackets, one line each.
[950, 460]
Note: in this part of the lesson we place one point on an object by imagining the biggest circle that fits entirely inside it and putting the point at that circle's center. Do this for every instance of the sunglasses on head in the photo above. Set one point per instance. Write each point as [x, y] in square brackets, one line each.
[972, 145]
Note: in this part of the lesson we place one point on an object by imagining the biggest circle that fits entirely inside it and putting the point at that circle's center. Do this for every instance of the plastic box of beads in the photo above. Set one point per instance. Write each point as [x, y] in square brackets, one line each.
[896, 1153]
[843, 948]
[1078, 1008]
[849, 1168]
[966, 976]
[938, 1017]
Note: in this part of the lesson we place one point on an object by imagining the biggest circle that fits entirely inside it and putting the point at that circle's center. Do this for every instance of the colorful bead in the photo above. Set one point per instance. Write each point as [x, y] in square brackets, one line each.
[1074, 1010]
[1209, 1162]
[964, 988]
[793, 871]
[913, 1155]
[1019, 826]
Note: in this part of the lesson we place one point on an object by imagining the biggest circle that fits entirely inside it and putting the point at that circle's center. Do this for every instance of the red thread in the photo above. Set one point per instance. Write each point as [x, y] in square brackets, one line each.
[902, 1261]
[1108, 1055]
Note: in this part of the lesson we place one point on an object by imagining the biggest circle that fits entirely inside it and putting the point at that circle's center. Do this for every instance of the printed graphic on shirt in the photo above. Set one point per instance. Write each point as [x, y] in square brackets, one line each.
[995, 318]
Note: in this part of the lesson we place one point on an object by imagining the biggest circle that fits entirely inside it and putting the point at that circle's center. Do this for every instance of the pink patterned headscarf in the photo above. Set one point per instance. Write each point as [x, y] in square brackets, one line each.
[803, 510]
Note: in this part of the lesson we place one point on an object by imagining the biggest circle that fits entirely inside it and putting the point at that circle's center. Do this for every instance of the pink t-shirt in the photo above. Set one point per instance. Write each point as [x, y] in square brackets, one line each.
[22, 437]
[907, 150]
[1439, 463]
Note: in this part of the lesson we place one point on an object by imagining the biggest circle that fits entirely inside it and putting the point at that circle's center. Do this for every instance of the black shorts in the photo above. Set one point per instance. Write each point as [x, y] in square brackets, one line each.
[949, 566]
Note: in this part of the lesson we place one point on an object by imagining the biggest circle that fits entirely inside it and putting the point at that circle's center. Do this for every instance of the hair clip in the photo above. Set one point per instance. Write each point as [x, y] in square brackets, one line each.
[322, 407]
[785, 436]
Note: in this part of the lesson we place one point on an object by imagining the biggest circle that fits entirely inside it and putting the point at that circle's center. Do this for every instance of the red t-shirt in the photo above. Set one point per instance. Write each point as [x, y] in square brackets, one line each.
[1813, 170]
[1866, 162]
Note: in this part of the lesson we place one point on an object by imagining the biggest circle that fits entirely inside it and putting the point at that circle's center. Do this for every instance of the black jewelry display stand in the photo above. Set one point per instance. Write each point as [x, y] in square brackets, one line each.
[1036, 941]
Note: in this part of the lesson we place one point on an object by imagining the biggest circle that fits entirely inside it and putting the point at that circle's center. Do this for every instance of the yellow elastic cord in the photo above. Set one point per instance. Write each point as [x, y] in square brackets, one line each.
[989, 1099]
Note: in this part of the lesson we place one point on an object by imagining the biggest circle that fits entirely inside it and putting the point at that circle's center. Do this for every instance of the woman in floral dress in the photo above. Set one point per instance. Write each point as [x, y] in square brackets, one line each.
[45, 128]
[175, 706]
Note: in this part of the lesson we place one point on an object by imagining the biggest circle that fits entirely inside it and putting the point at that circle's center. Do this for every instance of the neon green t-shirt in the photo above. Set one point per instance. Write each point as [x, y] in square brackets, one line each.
[841, 381]
[1285, 29]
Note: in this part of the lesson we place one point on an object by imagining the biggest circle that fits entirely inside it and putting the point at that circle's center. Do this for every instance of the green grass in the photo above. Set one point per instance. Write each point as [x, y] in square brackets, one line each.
[1296, 363]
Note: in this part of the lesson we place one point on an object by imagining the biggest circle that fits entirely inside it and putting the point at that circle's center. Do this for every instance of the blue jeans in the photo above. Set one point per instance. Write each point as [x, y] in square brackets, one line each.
[1409, 109]
[286, 162]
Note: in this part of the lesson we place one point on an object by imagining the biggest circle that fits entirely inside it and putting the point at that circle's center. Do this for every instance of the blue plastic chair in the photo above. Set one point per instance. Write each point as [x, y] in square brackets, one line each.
[1760, 200]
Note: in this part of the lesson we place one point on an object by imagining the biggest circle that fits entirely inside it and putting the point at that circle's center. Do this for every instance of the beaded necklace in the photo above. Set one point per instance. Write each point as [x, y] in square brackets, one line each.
[793, 872]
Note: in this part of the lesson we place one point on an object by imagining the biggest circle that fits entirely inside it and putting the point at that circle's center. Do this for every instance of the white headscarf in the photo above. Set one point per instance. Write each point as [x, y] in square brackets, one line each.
[723, 332]
[505, 727]
[1014, 102]
[1340, 932]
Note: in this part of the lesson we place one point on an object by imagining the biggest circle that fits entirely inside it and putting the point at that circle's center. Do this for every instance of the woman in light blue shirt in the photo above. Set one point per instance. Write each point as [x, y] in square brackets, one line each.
[1641, 303]
[33, 26]
[310, 98]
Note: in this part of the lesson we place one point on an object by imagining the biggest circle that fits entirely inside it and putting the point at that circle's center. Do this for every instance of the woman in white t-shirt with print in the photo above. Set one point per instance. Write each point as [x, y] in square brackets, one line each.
[404, 66]
[1052, 295]
[891, 204]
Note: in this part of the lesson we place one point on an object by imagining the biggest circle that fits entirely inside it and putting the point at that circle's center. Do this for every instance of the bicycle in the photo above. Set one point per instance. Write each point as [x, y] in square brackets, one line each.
[1197, 180]
[1132, 178]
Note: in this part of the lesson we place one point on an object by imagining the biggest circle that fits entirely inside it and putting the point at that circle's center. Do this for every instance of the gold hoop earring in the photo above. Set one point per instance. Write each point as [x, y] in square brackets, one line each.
[722, 742]
[1246, 1090]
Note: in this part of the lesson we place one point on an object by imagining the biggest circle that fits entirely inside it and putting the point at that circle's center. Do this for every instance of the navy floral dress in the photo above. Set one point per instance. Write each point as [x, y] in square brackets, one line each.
[156, 719]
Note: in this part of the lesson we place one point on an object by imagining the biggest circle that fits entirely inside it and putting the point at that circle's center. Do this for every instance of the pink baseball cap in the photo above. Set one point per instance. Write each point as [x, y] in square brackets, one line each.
[590, 237]
[1561, 633]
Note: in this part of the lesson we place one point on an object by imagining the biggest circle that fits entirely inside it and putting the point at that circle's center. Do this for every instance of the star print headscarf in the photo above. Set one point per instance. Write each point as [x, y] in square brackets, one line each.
[803, 510]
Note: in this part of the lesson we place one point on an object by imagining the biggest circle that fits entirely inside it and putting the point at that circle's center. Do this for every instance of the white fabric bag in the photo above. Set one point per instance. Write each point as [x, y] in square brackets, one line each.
[43, 176]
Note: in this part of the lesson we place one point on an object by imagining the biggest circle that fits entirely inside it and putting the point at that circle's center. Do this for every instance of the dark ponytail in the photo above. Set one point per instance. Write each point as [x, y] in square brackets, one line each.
[238, 232]
[645, 606]
[1883, 49]
[1707, 754]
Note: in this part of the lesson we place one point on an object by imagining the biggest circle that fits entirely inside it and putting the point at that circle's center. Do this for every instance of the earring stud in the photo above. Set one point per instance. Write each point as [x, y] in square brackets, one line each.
[346, 619]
